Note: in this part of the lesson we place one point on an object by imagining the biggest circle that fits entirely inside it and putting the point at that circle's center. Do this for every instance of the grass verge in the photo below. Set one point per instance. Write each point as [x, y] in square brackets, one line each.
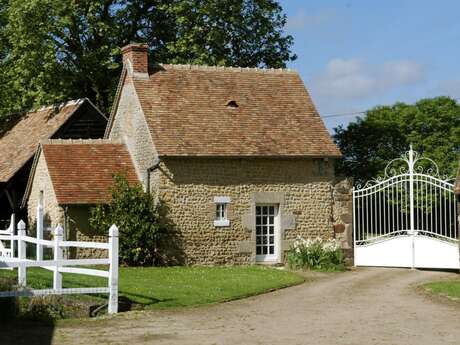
[174, 287]
[449, 289]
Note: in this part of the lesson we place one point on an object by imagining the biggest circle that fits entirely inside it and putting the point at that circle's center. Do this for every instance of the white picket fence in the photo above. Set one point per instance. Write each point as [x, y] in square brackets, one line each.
[7, 251]
[58, 265]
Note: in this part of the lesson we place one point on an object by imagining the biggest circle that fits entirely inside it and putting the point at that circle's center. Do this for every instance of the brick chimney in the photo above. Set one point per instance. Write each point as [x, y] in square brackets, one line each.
[137, 54]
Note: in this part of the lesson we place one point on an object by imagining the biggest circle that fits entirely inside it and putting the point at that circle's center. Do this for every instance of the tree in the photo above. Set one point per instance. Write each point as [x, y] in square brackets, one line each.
[245, 33]
[140, 220]
[56, 50]
[432, 126]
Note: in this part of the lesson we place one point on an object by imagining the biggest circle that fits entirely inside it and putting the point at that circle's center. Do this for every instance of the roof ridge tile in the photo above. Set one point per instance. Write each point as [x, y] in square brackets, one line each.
[81, 141]
[56, 105]
[227, 68]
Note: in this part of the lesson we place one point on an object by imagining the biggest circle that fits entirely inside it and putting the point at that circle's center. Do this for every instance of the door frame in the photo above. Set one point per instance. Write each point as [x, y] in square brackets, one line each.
[270, 258]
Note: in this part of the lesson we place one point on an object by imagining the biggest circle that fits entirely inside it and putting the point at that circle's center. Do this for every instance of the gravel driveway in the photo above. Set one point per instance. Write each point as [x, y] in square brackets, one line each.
[366, 306]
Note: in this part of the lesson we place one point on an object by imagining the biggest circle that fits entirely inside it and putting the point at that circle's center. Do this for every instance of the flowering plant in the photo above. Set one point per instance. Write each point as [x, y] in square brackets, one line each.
[316, 254]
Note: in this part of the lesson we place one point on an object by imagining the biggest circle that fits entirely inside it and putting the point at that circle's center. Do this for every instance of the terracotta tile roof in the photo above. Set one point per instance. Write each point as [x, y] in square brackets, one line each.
[82, 171]
[19, 144]
[213, 111]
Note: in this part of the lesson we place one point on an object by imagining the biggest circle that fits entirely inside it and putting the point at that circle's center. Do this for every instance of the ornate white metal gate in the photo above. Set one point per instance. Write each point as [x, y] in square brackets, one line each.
[408, 218]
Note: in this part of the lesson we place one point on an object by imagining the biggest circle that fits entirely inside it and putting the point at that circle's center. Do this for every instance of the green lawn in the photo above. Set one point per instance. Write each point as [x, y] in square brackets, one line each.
[450, 289]
[171, 287]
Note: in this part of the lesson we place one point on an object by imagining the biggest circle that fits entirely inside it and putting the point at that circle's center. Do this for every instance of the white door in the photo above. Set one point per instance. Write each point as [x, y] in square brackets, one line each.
[267, 233]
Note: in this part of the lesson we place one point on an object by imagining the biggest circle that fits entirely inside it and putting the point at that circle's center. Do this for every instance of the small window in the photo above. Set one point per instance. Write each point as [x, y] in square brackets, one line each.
[221, 218]
[232, 104]
[322, 164]
[40, 199]
[221, 211]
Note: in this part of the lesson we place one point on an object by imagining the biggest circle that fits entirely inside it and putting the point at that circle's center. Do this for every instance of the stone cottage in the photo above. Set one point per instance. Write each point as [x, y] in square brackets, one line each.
[70, 176]
[22, 135]
[240, 156]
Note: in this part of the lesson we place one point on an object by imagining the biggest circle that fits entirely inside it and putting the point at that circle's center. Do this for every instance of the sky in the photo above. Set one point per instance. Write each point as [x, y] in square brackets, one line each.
[357, 54]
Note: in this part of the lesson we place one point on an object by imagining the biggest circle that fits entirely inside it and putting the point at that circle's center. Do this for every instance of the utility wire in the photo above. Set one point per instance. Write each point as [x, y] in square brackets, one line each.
[354, 113]
[343, 114]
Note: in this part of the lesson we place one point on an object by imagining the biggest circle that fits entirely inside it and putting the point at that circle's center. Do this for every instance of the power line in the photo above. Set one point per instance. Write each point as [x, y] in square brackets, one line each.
[355, 112]
[343, 114]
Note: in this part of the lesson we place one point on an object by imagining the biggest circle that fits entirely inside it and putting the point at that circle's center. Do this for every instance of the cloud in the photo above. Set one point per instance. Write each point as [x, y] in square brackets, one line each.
[355, 79]
[449, 88]
[402, 72]
[301, 20]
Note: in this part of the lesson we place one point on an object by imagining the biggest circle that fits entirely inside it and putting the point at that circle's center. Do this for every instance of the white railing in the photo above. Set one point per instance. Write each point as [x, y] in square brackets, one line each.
[59, 265]
[7, 251]
[411, 202]
[414, 201]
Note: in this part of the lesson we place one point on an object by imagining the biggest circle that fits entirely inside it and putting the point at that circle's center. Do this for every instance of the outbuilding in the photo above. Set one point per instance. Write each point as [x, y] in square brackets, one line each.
[68, 177]
[22, 135]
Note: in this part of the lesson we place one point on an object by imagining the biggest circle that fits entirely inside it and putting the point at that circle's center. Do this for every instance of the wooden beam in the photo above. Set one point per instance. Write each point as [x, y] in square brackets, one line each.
[10, 199]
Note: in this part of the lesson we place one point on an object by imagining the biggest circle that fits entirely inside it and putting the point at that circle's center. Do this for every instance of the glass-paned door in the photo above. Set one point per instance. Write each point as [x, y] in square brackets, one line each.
[266, 232]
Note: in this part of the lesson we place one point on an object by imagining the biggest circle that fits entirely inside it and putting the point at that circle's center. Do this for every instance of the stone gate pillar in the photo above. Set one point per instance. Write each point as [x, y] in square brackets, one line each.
[342, 215]
[457, 195]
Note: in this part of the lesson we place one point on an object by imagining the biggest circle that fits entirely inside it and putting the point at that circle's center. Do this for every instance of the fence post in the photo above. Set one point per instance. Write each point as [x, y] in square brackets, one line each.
[13, 232]
[113, 270]
[57, 276]
[40, 227]
[22, 271]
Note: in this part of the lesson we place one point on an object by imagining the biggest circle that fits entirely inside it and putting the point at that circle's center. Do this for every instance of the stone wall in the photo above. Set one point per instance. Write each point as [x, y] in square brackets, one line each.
[131, 127]
[53, 213]
[80, 230]
[343, 215]
[457, 195]
[303, 188]
[458, 221]
[311, 203]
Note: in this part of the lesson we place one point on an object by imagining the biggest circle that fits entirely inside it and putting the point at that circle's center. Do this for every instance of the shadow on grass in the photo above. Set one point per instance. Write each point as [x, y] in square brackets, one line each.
[128, 298]
[26, 333]
[126, 304]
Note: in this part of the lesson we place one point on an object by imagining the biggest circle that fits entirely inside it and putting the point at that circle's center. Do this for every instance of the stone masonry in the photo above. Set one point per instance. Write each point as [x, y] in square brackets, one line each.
[343, 215]
[303, 189]
[457, 194]
[54, 214]
[77, 224]
[130, 127]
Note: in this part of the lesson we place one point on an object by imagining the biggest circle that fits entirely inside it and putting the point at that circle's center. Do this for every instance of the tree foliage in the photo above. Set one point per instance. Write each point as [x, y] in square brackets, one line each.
[55, 50]
[432, 126]
[140, 222]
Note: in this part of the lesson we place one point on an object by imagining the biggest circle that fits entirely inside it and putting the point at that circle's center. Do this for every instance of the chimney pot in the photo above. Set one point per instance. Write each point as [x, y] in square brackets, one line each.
[137, 54]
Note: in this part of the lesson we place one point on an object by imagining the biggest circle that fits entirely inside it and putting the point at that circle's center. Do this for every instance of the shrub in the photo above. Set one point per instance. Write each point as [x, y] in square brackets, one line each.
[139, 220]
[45, 308]
[316, 254]
[9, 306]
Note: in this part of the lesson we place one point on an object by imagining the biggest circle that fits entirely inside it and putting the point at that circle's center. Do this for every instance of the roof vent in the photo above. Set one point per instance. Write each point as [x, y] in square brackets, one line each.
[232, 104]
